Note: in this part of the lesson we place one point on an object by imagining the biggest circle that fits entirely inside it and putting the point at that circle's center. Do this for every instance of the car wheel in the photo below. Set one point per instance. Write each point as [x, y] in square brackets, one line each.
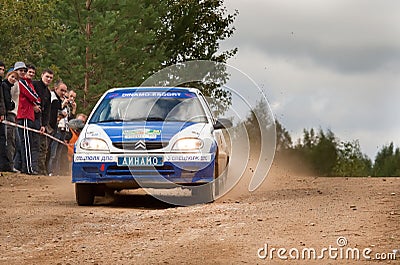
[217, 183]
[220, 177]
[84, 194]
[204, 193]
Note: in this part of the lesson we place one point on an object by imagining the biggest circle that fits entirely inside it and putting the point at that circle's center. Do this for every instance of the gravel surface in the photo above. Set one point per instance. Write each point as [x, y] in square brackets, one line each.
[42, 224]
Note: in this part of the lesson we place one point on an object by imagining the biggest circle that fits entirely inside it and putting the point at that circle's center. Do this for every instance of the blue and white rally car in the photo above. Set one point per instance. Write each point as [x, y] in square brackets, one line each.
[153, 137]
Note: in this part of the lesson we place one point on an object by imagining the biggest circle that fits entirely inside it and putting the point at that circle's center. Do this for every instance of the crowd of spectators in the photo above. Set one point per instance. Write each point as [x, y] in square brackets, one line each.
[30, 111]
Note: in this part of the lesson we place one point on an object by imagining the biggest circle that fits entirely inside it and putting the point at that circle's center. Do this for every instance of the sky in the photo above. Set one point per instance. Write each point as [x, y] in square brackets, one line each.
[331, 64]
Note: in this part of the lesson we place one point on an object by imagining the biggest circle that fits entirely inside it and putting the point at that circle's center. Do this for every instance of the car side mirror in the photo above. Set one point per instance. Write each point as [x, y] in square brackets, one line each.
[222, 124]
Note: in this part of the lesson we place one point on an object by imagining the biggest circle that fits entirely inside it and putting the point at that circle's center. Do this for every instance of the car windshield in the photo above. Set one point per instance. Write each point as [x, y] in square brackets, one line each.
[119, 107]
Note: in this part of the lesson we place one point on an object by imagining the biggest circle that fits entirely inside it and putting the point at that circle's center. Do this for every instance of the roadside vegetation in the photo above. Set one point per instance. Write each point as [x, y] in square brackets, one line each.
[325, 154]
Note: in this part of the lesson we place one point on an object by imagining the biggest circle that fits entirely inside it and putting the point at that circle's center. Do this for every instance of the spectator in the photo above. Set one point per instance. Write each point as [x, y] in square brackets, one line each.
[42, 88]
[6, 161]
[82, 117]
[75, 128]
[3, 155]
[70, 104]
[37, 123]
[2, 69]
[29, 103]
[14, 145]
[57, 114]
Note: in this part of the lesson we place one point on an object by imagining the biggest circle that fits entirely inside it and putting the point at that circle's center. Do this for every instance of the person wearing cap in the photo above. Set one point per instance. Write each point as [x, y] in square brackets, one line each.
[29, 103]
[13, 144]
[6, 161]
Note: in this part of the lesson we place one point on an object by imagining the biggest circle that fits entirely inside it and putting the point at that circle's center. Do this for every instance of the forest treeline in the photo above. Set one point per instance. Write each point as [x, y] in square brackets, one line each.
[327, 155]
[322, 152]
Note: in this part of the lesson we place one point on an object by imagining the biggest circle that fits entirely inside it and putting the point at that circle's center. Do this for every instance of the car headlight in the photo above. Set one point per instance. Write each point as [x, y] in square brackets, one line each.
[188, 144]
[94, 144]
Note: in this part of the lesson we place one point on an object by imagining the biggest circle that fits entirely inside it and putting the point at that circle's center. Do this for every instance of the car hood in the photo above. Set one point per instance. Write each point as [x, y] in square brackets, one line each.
[149, 131]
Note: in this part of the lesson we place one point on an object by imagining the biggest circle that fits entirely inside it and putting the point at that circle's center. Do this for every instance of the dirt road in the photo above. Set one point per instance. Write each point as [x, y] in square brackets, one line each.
[41, 224]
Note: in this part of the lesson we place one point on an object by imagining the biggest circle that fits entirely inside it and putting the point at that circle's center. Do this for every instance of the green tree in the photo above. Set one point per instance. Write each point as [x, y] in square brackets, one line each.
[283, 138]
[387, 161]
[325, 152]
[103, 44]
[351, 161]
[309, 139]
[250, 128]
[194, 29]
[24, 28]
[318, 150]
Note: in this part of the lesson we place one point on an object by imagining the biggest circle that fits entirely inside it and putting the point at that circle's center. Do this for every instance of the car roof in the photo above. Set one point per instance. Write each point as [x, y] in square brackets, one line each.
[156, 89]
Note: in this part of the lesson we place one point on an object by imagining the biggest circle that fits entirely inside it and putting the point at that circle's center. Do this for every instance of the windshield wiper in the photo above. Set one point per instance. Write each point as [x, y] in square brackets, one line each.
[198, 119]
[145, 119]
[154, 118]
[112, 120]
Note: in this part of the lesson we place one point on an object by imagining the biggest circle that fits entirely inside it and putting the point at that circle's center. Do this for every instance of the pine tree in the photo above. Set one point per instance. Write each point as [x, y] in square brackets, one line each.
[351, 161]
[387, 161]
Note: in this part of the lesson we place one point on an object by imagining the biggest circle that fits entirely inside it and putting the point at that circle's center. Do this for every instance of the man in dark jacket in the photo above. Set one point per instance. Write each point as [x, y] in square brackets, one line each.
[6, 160]
[56, 113]
[3, 112]
[42, 88]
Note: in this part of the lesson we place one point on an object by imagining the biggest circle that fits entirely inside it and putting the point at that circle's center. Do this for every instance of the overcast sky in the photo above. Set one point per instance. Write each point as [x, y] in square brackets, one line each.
[330, 64]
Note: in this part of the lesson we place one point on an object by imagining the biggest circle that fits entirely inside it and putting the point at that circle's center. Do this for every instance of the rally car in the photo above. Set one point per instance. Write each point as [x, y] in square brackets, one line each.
[150, 137]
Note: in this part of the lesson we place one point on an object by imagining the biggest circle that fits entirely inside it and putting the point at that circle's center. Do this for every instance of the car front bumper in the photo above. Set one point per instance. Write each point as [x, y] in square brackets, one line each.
[183, 169]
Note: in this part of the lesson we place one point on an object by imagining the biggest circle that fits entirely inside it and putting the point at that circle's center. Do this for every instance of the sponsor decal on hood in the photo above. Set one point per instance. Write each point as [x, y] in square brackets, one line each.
[141, 134]
[154, 131]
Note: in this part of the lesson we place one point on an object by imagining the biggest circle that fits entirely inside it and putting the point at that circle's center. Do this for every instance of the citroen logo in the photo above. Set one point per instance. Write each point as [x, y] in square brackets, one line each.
[140, 145]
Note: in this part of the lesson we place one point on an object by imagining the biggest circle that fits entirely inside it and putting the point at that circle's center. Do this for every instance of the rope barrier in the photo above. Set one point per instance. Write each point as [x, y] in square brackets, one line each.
[34, 130]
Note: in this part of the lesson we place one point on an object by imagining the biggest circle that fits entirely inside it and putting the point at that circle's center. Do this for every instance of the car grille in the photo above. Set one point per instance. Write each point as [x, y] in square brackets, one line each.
[134, 145]
[162, 170]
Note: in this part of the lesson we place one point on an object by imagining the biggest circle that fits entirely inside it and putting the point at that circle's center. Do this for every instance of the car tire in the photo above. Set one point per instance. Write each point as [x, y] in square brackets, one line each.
[220, 178]
[204, 193]
[84, 194]
[216, 183]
